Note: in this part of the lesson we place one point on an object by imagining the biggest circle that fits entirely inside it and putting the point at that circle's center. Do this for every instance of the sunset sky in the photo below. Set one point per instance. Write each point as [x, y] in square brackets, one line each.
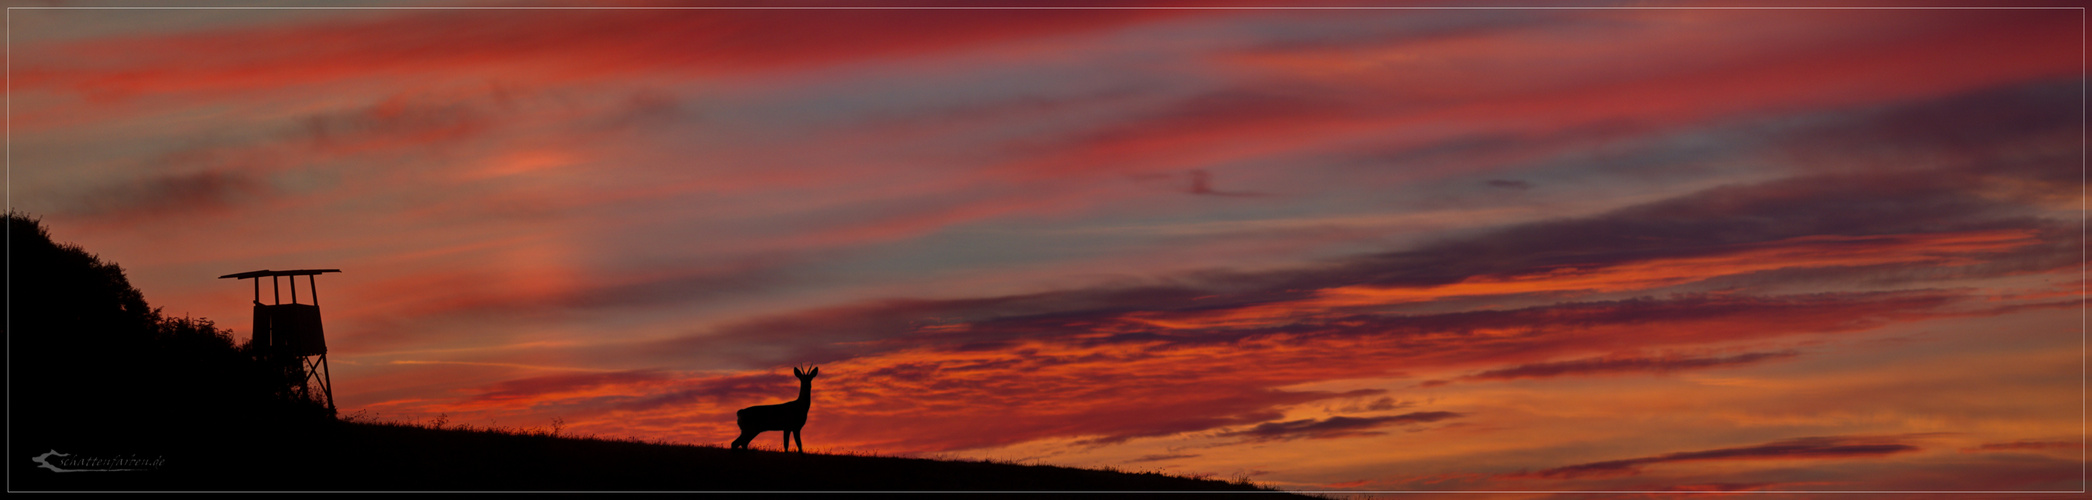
[1337, 249]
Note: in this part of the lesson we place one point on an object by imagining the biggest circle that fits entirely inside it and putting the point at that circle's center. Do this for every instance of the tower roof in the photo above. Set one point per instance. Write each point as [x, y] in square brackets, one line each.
[265, 272]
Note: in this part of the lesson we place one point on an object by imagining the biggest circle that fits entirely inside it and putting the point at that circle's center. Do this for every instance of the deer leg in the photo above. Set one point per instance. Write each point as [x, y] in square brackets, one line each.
[741, 443]
[787, 441]
[800, 438]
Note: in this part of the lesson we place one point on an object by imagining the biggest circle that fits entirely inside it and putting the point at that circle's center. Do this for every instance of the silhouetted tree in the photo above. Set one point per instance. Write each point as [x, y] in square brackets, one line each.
[93, 367]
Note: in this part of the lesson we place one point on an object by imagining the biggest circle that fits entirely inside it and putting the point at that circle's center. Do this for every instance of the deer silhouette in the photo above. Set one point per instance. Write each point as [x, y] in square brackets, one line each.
[788, 417]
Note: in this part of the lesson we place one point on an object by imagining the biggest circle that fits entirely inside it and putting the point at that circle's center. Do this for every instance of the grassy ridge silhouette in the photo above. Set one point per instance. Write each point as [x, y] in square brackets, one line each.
[423, 457]
[383, 456]
[95, 371]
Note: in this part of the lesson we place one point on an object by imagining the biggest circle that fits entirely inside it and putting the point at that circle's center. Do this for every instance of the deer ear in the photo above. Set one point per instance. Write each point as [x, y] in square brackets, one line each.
[796, 372]
[815, 373]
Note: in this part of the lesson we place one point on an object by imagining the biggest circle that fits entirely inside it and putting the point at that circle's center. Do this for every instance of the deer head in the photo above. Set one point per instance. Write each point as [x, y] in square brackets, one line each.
[806, 375]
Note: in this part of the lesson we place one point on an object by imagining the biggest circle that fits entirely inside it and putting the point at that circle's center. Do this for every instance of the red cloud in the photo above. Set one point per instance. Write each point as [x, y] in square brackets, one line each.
[540, 387]
[1614, 86]
[937, 375]
[953, 393]
[1201, 352]
[541, 45]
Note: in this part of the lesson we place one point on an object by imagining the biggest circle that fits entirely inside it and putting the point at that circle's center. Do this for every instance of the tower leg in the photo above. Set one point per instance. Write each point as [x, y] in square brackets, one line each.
[326, 376]
[316, 376]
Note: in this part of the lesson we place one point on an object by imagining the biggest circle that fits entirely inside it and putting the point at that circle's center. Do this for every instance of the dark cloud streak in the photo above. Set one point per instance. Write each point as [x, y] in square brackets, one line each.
[1625, 364]
[176, 194]
[1800, 448]
[1335, 427]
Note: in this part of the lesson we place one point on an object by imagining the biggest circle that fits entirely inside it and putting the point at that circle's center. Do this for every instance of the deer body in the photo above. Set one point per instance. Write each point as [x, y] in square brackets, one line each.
[789, 416]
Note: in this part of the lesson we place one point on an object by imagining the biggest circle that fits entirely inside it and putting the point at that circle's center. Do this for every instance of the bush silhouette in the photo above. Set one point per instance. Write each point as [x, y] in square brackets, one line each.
[95, 368]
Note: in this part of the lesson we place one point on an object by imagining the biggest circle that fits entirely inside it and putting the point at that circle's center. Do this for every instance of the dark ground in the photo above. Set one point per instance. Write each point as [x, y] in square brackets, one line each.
[338, 456]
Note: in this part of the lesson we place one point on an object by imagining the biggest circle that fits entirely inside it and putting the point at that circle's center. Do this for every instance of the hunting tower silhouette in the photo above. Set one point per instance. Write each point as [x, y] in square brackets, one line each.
[288, 337]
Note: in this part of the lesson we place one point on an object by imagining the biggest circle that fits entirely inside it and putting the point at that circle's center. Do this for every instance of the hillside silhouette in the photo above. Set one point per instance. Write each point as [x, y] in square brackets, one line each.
[94, 370]
[348, 456]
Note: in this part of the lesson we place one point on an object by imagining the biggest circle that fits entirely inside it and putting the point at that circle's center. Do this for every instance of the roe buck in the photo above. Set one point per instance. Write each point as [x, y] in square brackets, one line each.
[788, 417]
